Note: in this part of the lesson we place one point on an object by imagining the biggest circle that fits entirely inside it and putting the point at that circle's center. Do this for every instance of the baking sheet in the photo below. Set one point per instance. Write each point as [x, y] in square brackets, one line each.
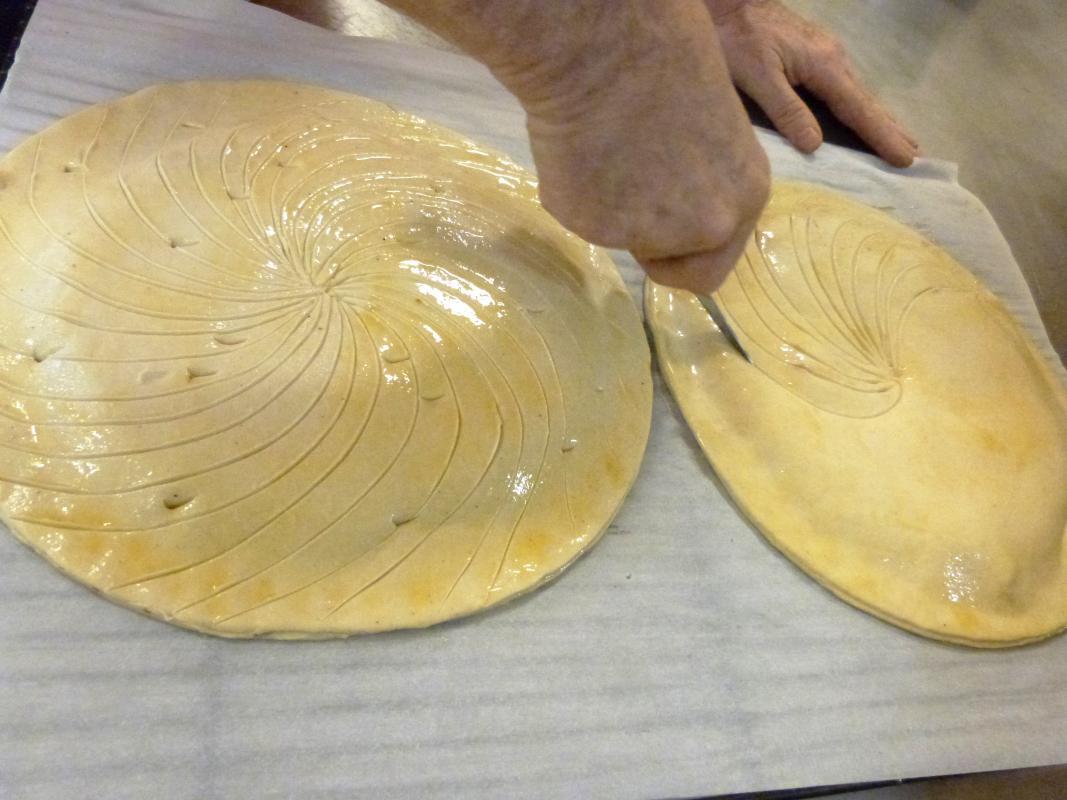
[682, 657]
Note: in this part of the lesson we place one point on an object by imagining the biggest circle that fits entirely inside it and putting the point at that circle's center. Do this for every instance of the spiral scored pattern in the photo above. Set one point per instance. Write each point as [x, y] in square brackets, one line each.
[822, 297]
[896, 434]
[278, 360]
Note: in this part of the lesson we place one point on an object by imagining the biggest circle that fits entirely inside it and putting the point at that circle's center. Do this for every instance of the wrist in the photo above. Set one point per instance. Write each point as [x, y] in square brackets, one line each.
[570, 56]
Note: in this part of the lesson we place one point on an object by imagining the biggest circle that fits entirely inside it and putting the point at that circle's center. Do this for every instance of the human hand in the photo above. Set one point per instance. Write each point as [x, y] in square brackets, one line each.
[641, 143]
[769, 50]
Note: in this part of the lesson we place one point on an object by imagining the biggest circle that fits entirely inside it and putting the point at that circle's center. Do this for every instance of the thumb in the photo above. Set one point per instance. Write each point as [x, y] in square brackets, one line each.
[701, 273]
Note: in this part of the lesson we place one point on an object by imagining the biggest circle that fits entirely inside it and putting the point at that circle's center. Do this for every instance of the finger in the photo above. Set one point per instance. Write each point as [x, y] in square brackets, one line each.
[701, 273]
[900, 127]
[903, 131]
[789, 114]
[858, 109]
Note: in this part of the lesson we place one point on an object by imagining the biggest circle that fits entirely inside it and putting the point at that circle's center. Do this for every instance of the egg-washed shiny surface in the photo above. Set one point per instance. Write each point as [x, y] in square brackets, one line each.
[278, 360]
[896, 436]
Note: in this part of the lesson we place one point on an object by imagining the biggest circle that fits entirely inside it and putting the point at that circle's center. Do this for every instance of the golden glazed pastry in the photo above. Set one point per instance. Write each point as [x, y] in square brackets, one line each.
[282, 361]
[896, 436]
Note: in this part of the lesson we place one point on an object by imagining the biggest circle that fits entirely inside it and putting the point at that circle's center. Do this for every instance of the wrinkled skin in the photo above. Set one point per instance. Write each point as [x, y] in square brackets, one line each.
[640, 140]
[654, 153]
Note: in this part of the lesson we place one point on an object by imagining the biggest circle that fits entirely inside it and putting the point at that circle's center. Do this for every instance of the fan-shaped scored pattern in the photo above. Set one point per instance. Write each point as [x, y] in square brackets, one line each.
[279, 360]
[820, 300]
[896, 435]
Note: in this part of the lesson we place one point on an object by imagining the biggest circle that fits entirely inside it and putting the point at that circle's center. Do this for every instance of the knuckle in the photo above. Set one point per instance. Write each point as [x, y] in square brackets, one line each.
[830, 50]
[732, 216]
[706, 226]
[721, 227]
[767, 67]
[759, 192]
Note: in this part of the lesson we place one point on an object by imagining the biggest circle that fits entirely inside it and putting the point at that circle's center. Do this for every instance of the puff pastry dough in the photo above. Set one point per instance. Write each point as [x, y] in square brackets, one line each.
[896, 436]
[282, 361]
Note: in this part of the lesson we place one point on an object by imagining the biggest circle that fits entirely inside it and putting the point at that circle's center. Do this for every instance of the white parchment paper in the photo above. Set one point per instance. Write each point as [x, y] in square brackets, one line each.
[682, 657]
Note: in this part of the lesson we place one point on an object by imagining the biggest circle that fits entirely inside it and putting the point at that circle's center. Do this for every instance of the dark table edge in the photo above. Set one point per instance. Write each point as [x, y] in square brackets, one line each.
[14, 16]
